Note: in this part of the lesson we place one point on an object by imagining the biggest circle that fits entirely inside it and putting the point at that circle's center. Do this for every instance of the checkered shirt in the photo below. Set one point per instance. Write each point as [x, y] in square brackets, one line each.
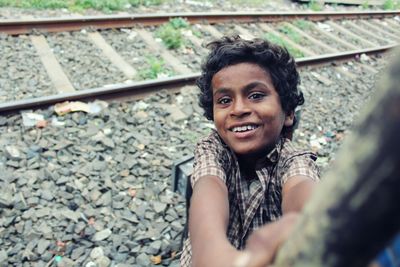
[251, 204]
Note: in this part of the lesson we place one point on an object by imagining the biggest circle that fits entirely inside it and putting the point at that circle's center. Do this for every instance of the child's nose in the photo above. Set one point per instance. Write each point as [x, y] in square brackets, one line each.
[240, 108]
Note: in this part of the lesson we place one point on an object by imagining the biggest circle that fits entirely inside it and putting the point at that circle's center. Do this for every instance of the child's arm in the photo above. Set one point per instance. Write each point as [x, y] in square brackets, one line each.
[208, 222]
[299, 178]
[296, 192]
[264, 243]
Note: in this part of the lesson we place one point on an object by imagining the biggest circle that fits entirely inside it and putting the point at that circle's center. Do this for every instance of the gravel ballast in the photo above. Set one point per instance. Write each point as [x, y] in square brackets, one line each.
[95, 189]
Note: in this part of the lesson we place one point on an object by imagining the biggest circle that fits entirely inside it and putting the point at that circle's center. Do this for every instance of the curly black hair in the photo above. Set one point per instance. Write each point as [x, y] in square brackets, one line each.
[276, 60]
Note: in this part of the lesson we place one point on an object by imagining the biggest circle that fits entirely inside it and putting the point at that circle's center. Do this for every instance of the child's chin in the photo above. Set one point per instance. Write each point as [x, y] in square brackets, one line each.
[251, 153]
[246, 151]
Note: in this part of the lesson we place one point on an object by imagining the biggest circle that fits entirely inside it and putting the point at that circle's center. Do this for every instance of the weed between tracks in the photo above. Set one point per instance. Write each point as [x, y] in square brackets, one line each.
[155, 69]
[391, 4]
[303, 24]
[279, 41]
[171, 32]
[289, 32]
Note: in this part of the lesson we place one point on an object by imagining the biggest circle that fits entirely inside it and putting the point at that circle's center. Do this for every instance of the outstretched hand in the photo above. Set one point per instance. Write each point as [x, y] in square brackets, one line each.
[263, 244]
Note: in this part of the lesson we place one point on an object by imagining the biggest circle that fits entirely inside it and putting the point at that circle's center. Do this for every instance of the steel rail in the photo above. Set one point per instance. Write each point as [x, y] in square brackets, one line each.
[138, 89]
[15, 27]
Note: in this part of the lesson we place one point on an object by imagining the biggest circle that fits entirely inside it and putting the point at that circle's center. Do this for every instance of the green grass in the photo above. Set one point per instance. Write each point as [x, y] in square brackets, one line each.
[250, 3]
[179, 23]
[277, 40]
[304, 24]
[365, 5]
[391, 5]
[171, 37]
[171, 34]
[197, 33]
[293, 35]
[77, 5]
[315, 5]
[156, 67]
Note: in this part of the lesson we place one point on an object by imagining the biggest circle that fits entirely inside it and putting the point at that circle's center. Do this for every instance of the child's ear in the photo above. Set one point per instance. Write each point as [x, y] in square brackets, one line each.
[289, 119]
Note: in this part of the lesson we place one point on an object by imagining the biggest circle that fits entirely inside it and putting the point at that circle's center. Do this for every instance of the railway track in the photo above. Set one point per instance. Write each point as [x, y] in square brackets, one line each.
[65, 50]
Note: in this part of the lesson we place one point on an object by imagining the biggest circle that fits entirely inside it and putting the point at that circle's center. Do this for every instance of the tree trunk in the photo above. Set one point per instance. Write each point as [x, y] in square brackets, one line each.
[355, 211]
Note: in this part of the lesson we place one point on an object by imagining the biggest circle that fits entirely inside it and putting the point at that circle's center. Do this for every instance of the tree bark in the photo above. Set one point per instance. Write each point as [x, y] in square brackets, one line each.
[355, 211]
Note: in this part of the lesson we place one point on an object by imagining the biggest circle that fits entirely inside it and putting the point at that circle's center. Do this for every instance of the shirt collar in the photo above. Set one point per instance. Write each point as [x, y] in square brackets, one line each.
[273, 156]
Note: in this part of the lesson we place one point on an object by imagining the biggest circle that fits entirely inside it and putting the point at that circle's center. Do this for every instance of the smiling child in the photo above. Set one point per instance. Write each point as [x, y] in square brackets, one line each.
[247, 173]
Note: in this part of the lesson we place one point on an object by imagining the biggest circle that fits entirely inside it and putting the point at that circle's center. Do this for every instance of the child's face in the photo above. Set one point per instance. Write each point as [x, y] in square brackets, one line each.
[247, 110]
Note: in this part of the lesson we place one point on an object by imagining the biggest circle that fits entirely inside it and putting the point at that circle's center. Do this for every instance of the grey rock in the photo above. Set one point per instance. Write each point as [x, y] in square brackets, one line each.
[6, 199]
[65, 262]
[159, 206]
[104, 234]
[69, 214]
[76, 253]
[46, 256]
[42, 246]
[143, 260]
[7, 221]
[62, 180]
[91, 264]
[3, 256]
[13, 153]
[47, 195]
[177, 226]
[105, 199]
[154, 247]
[79, 227]
[96, 253]
[94, 195]
[103, 261]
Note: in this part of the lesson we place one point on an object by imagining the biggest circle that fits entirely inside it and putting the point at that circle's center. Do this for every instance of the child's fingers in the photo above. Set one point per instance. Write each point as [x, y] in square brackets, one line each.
[263, 243]
[250, 259]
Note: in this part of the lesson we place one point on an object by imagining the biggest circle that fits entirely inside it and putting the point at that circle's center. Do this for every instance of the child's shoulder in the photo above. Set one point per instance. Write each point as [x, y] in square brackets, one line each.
[290, 150]
[294, 161]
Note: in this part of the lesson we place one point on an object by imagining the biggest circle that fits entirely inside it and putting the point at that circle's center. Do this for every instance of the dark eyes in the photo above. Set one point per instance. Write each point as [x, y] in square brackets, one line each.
[253, 96]
[224, 100]
[256, 95]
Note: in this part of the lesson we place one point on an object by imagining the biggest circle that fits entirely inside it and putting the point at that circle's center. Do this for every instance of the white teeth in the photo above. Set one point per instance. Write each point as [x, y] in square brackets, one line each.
[244, 128]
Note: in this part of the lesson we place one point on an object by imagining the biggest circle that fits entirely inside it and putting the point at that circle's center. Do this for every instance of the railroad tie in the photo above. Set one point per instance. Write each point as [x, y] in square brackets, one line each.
[50, 63]
[213, 31]
[306, 51]
[198, 43]
[345, 72]
[245, 34]
[366, 32]
[349, 33]
[395, 25]
[112, 55]
[310, 38]
[366, 67]
[336, 38]
[156, 47]
[383, 30]
[322, 79]
[386, 24]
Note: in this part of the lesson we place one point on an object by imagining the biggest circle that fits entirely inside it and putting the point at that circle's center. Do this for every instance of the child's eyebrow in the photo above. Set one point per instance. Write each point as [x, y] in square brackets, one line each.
[222, 90]
[245, 89]
[252, 85]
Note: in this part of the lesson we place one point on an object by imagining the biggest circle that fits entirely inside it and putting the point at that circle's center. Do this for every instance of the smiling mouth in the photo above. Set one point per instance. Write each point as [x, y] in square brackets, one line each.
[244, 128]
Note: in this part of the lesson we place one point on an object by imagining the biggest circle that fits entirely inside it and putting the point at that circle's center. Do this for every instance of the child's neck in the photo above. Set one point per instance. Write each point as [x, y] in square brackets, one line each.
[248, 163]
